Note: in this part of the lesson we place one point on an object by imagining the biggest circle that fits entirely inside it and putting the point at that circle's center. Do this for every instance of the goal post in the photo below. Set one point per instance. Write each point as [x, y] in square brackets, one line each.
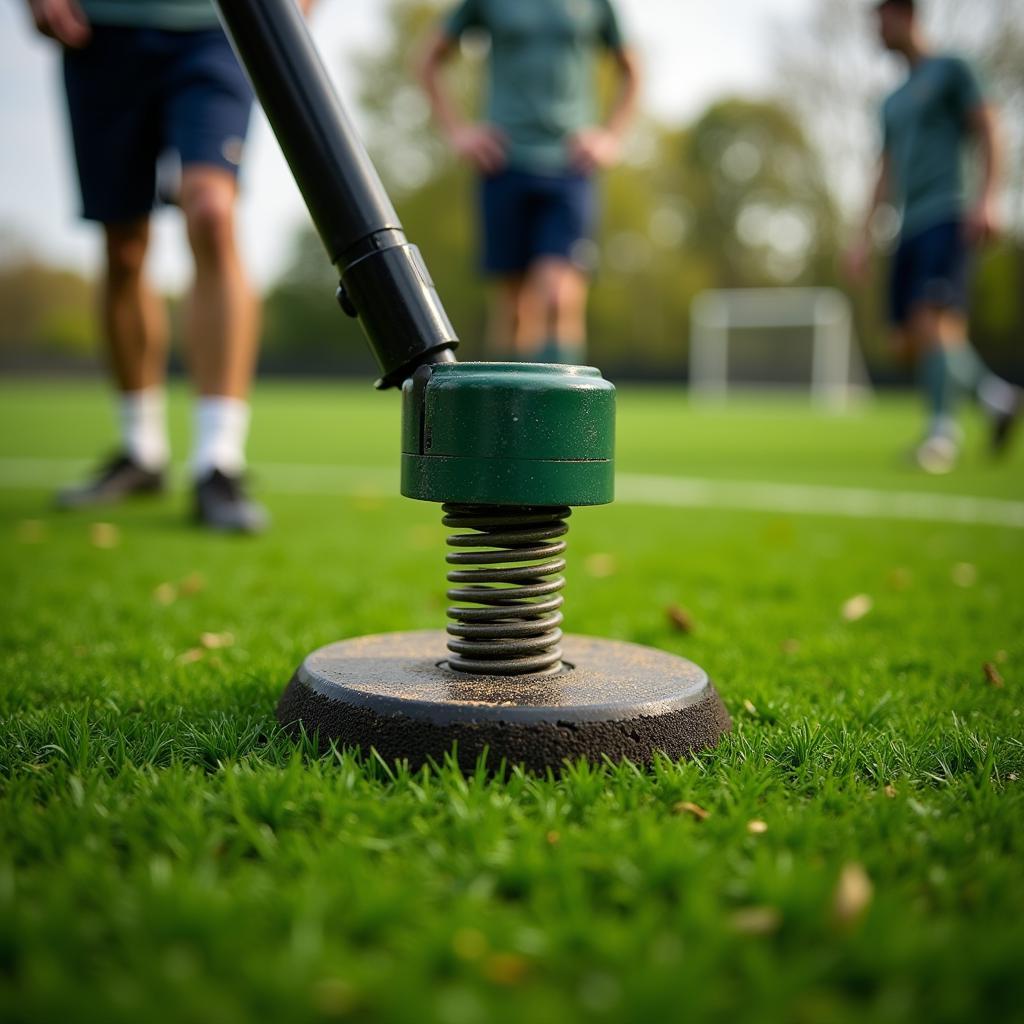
[781, 338]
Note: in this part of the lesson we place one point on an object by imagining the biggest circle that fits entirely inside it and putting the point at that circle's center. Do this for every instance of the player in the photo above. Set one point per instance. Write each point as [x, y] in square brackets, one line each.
[537, 152]
[928, 124]
[145, 77]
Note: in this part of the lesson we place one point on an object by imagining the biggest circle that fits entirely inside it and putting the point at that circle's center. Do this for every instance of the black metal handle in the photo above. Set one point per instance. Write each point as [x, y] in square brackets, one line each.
[384, 280]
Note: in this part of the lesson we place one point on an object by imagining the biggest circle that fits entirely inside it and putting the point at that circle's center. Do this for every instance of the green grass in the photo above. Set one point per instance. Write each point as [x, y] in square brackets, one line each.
[167, 855]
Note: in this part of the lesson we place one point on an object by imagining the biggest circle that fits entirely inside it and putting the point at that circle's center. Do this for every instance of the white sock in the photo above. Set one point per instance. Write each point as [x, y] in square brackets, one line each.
[143, 419]
[221, 428]
[997, 396]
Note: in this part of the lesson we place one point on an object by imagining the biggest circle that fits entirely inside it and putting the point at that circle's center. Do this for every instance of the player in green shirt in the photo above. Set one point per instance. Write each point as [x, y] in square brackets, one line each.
[928, 124]
[536, 151]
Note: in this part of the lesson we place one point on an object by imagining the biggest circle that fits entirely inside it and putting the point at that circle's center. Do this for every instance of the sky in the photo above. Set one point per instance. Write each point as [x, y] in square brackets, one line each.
[693, 50]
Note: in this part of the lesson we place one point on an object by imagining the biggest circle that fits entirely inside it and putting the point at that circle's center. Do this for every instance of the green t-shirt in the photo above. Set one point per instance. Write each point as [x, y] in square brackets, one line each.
[172, 15]
[541, 76]
[925, 126]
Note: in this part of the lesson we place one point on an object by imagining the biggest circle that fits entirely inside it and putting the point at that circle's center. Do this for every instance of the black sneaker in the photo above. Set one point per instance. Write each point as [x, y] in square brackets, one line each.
[1004, 424]
[120, 478]
[222, 504]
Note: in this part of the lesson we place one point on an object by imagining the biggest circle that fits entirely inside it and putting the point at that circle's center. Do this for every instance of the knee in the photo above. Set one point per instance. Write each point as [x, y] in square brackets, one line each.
[564, 293]
[543, 290]
[209, 216]
[924, 330]
[126, 251]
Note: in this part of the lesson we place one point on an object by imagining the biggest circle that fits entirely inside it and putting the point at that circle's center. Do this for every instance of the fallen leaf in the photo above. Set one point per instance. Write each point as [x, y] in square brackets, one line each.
[993, 676]
[104, 535]
[505, 968]
[193, 654]
[553, 837]
[857, 607]
[193, 583]
[686, 807]
[757, 827]
[165, 594]
[31, 531]
[756, 921]
[890, 791]
[600, 565]
[680, 619]
[964, 574]
[211, 641]
[853, 894]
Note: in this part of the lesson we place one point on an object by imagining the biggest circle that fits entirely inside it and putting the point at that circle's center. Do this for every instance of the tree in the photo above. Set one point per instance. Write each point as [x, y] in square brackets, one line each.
[45, 310]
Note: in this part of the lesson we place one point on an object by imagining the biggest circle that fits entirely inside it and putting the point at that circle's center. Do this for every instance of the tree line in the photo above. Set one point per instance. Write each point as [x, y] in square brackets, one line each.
[753, 193]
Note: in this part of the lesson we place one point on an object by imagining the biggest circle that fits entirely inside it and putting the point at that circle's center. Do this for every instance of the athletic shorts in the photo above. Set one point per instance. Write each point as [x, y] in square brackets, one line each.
[929, 268]
[136, 93]
[526, 216]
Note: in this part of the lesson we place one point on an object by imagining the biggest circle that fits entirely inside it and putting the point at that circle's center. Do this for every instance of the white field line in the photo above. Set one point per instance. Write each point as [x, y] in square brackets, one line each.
[815, 499]
[631, 489]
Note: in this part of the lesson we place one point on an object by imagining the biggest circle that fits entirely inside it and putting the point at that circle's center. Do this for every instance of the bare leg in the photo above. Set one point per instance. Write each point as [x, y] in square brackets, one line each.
[134, 318]
[135, 328]
[922, 329]
[222, 317]
[902, 344]
[532, 318]
[553, 308]
[503, 315]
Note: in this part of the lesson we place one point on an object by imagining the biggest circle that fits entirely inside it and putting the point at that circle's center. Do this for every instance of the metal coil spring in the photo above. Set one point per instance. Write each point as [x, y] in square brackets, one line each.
[516, 631]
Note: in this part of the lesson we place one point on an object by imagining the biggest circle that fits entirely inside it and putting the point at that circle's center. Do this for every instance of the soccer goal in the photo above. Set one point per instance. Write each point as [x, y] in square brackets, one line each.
[780, 338]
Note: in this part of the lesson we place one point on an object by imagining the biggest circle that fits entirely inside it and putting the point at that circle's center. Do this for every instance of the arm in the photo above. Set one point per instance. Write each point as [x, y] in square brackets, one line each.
[983, 221]
[62, 20]
[859, 254]
[600, 147]
[481, 144]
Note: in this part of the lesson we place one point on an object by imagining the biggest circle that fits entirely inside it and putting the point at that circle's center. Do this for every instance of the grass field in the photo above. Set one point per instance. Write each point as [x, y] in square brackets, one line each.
[167, 855]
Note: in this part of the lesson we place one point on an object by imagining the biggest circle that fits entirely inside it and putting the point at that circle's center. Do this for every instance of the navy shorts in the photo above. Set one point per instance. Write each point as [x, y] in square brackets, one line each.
[526, 216]
[929, 268]
[137, 93]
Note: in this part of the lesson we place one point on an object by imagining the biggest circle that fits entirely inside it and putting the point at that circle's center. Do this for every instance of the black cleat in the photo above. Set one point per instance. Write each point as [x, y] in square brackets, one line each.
[1004, 424]
[120, 478]
[222, 504]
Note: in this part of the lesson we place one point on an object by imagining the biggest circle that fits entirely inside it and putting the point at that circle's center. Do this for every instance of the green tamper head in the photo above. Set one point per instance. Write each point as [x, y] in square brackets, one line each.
[508, 434]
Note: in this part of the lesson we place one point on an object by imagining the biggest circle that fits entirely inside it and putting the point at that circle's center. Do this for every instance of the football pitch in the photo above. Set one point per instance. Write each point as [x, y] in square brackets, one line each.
[852, 851]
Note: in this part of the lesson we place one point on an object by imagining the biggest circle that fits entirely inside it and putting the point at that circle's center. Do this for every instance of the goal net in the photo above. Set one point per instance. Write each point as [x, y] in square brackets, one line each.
[780, 338]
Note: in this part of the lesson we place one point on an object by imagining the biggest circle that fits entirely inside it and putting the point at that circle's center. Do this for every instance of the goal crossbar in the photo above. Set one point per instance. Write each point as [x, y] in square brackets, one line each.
[837, 373]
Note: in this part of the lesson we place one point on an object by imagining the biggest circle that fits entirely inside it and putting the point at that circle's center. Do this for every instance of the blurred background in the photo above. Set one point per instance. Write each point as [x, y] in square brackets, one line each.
[750, 162]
